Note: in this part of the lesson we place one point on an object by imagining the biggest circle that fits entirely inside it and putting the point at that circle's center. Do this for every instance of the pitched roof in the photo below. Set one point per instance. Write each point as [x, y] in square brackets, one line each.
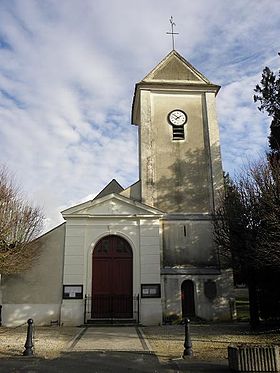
[112, 187]
[173, 68]
[173, 72]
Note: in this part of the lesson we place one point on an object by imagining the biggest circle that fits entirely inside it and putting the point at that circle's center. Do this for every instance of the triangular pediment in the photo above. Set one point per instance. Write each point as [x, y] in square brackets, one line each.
[111, 205]
[174, 68]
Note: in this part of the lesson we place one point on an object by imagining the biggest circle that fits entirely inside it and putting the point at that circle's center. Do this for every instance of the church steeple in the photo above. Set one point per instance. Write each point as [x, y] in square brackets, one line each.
[180, 164]
[174, 71]
[176, 68]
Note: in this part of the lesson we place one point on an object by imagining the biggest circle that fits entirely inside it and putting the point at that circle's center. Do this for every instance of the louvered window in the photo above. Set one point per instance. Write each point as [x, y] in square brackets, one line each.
[178, 132]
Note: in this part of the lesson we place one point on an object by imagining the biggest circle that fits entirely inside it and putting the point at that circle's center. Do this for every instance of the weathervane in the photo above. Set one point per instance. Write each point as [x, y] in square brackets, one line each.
[172, 33]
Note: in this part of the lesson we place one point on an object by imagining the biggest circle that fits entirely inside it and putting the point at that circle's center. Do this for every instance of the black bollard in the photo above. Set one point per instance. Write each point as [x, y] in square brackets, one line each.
[28, 344]
[188, 352]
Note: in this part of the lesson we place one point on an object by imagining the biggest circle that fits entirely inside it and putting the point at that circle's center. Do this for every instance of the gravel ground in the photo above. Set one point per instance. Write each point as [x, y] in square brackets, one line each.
[210, 341]
[49, 341]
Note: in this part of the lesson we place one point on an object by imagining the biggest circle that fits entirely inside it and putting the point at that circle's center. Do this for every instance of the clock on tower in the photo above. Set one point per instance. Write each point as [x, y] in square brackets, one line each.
[180, 164]
[181, 175]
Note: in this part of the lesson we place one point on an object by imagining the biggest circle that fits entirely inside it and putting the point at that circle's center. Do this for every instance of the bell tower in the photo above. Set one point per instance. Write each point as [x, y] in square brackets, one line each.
[180, 163]
[181, 174]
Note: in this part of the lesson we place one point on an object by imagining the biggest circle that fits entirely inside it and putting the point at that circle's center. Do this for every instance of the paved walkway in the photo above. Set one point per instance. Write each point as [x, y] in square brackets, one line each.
[108, 349]
[126, 348]
[110, 339]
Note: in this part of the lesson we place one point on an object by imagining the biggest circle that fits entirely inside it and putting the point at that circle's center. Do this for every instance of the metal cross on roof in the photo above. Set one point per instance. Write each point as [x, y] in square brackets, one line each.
[172, 33]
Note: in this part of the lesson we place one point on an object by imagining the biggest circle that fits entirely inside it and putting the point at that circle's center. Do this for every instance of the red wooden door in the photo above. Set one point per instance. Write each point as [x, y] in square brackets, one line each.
[112, 278]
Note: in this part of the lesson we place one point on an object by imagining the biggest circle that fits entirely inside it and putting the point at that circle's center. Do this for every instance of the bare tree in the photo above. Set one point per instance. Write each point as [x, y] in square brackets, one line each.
[20, 224]
[247, 226]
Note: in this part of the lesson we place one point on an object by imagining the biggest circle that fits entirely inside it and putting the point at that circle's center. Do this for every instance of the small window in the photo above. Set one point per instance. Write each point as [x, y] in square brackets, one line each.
[178, 132]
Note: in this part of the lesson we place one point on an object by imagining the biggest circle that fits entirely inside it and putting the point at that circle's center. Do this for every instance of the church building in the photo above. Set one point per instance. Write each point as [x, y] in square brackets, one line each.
[143, 254]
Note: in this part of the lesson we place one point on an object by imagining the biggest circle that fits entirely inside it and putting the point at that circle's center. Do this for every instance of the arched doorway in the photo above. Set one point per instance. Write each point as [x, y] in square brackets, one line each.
[112, 278]
[187, 296]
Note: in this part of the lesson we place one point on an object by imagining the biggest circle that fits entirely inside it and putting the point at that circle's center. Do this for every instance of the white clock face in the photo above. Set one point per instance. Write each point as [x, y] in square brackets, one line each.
[177, 117]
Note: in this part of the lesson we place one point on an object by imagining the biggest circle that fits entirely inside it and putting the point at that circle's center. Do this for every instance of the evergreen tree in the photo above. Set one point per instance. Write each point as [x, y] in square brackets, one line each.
[268, 95]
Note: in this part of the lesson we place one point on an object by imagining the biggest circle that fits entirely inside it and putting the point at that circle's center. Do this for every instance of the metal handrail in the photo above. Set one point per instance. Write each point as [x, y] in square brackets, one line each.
[113, 307]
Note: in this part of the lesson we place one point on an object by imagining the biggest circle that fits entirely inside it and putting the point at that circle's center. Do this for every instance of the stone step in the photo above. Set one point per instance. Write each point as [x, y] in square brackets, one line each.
[110, 322]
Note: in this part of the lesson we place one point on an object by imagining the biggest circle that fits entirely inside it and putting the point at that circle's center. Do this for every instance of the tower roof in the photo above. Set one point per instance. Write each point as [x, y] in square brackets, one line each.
[173, 72]
[175, 68]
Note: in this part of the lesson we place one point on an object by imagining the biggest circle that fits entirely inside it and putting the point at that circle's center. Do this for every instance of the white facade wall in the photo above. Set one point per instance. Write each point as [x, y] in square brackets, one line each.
[82, 235]
[150, 243]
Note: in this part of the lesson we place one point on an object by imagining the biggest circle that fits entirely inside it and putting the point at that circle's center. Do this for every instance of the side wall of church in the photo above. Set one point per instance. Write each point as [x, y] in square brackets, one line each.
[189, 243]
[37, 293]
[189, 254]
[211, 307]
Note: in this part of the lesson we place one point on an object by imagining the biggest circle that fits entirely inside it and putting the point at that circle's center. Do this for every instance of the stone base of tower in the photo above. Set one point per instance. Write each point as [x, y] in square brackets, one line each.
[198, 294]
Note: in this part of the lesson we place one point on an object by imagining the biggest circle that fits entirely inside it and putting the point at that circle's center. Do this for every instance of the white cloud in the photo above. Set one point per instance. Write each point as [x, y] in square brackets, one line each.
[67, 76]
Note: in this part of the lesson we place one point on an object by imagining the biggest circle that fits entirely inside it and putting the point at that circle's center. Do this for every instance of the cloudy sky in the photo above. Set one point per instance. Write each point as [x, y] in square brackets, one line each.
[67, 75]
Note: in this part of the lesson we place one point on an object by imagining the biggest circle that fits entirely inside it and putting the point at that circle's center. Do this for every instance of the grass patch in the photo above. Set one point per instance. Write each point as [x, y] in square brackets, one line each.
[242, 309]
